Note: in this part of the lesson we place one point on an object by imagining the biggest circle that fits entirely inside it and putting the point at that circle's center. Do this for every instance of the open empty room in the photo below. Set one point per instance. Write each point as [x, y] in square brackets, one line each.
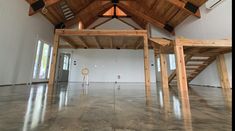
[115, 65]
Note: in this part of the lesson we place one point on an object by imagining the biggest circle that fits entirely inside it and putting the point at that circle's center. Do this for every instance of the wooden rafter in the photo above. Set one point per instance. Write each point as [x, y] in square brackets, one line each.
[93, 7]
[111, 42]
[135, 12]
[83, 42]
[71, 42]
[181, 5]
[48, 3]
[97, 42]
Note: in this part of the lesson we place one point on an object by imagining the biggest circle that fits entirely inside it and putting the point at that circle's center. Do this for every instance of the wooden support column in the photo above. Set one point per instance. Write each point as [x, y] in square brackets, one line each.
[164, 73]
[222, 70]
[146, 64]
[186, 112]
[54, 59]
[181, 70]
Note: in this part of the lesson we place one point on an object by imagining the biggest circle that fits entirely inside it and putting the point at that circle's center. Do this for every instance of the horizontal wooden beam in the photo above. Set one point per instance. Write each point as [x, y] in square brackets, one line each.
[204, 43]
[72, 32]
[180, 4]
[161, 41]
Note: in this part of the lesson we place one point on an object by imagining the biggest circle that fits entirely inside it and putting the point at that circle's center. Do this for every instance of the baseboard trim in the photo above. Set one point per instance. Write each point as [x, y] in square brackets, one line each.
[42, 82]
[206, 86]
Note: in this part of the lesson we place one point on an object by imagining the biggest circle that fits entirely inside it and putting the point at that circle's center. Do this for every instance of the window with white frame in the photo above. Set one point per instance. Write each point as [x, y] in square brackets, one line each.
[172, 61]
[42, 61]
[66, 62]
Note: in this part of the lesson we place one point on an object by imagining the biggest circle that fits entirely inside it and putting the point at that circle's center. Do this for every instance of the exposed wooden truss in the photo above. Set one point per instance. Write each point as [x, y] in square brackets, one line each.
[165, 14]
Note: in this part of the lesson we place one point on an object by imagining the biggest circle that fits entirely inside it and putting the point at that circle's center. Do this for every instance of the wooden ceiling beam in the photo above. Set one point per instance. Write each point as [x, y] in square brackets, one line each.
[182, 5]
[94, 7]
[97, 42]
[48, 3]
[138, 42]
[111, 42]
[70, 42]
[151, 20]
[72, 32]
[83, 42]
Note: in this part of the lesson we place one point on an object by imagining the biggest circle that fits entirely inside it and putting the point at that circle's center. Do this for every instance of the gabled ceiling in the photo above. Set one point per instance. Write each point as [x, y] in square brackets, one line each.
[164, 14]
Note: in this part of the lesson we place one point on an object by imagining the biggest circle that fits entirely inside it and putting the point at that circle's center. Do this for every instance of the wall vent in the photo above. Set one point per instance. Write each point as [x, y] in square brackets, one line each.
[210, 4]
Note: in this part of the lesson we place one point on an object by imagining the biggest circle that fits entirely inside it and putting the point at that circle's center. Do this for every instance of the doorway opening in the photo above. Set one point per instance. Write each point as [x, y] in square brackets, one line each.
[63, 68]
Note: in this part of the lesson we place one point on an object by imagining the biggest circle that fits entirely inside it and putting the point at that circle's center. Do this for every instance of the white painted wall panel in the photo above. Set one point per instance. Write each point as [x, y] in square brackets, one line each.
[18, 38]
[105, 65]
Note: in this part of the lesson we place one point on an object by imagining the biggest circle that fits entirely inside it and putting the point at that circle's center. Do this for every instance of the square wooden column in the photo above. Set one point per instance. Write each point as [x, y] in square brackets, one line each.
[181, 70]
[222, 70]
[164, 71]
[146, 64]
[54, 59]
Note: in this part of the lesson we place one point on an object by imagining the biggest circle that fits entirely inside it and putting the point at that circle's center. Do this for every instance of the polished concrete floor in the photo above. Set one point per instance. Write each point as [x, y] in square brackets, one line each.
[113, 107]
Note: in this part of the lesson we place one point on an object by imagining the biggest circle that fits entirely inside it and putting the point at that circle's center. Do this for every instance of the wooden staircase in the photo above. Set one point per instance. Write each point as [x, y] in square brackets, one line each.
[194, 66]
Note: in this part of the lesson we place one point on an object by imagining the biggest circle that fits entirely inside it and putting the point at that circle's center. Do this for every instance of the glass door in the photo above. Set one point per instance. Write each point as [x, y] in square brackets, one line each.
[42, 61]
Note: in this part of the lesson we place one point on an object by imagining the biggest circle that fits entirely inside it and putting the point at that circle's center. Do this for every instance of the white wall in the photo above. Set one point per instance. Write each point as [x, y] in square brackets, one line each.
[114, 24]
[104, 65]
[213, 24]
[18, 37]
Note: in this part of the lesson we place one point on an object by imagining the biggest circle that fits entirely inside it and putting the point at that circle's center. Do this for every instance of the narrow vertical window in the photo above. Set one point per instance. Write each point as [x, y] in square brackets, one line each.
[66, 62]
[36, 63]
[172, 61]
[49, 66]
[158, 65]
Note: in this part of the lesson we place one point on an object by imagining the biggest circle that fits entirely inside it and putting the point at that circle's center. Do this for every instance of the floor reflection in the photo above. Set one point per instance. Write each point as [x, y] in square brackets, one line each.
[36, 107]
[110, 106]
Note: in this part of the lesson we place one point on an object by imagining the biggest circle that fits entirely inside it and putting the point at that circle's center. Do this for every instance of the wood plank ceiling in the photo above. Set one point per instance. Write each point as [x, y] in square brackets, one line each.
[164, 14]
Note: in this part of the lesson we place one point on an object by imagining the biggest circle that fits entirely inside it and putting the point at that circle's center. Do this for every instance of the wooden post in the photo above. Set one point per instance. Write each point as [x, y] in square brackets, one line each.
[164, 69]
[54, 59]
[181, 70]
[222, 70]
[146, 64]
[186, 112]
